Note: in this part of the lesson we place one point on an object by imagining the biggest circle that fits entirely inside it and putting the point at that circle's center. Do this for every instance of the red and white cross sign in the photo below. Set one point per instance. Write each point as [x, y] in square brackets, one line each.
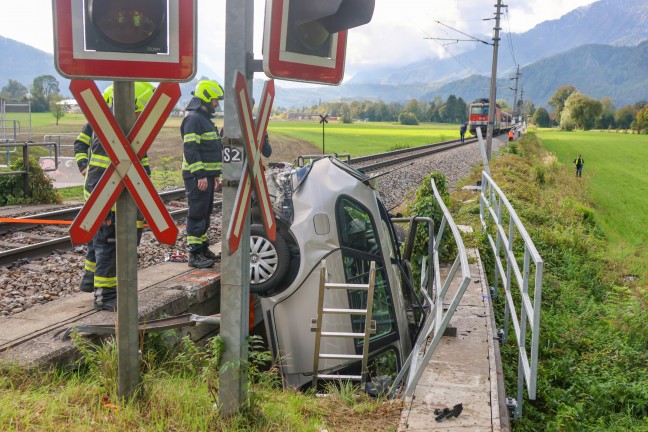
[126, 168]
[253, 177]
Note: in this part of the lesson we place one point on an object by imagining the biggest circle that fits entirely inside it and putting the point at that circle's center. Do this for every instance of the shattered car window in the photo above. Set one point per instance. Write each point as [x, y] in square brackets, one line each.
[360, 245]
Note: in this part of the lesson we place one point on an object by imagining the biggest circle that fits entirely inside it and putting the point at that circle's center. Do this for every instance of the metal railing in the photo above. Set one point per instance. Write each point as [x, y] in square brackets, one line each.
[493, 205]
[60, 146]
[436, 321]
[25, 156]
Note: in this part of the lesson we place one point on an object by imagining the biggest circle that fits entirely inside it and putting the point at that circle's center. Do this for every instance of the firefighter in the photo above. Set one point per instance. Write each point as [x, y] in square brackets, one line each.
[201, 168]
[81, 153]
[103, 243]
[511, 135]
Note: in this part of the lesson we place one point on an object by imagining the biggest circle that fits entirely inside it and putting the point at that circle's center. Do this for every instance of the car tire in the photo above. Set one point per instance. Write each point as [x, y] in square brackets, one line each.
[269, 260]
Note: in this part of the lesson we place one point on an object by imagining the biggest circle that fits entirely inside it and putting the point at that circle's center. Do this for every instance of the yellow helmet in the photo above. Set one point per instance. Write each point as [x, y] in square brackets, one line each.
[108, 95]
[143, 93]
[206, 90]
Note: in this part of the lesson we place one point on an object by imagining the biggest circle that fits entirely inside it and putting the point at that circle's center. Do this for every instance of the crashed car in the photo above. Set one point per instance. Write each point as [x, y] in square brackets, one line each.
[327, 210]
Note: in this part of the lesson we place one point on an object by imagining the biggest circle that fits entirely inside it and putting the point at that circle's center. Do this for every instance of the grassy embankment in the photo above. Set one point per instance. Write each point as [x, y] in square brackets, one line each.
[615, 167]
[594, 340]
[178, 392]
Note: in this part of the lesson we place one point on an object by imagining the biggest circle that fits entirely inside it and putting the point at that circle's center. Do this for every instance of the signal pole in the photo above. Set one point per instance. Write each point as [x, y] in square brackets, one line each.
[515, 107]
[235, 276]
[491, 101]
[126, 233]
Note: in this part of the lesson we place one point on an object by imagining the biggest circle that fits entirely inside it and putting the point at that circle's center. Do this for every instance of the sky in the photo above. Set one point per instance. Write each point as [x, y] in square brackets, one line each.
[396, 34]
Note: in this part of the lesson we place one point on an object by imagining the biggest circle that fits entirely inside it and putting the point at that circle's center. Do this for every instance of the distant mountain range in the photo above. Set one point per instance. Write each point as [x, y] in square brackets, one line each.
[601, 49]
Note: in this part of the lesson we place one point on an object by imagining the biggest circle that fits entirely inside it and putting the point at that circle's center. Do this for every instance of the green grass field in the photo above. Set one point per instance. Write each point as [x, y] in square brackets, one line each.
[615, 166]
[364, 138]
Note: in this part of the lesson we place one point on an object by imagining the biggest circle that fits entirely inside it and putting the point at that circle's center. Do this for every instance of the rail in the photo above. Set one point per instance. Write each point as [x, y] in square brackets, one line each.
[25, 157]
[437, 321]
[493, 202]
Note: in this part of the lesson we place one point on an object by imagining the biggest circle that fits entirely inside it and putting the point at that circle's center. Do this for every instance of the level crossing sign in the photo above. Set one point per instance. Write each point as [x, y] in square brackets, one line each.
[125, 168]
[253, 177]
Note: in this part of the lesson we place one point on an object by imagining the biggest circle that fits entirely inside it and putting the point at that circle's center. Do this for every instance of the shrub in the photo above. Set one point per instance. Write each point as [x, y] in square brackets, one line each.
[40, 189]
[407, 118]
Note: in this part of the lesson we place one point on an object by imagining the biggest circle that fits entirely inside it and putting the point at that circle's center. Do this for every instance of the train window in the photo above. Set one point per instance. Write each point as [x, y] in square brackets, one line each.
[360, 245]
[479, 109]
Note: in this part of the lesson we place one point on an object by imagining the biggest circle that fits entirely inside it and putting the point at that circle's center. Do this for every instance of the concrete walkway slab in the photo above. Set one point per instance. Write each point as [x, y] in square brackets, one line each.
[167, 289]
[463, 370]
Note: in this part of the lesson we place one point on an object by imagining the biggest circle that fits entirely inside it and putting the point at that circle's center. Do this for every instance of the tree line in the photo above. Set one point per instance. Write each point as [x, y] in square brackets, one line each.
[571, 109]
[574, 110]
[452, 110]
[44, 95]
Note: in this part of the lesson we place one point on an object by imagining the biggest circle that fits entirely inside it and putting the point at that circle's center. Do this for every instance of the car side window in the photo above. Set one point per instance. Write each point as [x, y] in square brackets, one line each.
[360, 245]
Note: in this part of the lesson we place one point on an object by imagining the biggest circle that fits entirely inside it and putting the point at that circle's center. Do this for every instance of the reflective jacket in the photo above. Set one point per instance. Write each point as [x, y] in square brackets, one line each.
[99, 161]
[203, 149]
[82, 145]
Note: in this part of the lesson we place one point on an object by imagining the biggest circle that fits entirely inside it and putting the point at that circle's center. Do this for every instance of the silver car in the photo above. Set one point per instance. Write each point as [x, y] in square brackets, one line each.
[327, 210]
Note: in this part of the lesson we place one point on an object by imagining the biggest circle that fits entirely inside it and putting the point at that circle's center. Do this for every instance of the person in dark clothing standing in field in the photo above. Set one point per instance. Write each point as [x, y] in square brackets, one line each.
[578, 164]
[462, 131]
[201, 168]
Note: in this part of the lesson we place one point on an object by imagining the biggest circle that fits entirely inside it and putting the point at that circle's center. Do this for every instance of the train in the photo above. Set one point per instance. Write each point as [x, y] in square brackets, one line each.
[478, 118]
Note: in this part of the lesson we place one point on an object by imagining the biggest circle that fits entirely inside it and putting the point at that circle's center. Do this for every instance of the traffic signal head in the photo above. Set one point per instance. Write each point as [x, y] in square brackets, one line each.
[134, 26]
[133, 40]
[305, 40]
[312, 23]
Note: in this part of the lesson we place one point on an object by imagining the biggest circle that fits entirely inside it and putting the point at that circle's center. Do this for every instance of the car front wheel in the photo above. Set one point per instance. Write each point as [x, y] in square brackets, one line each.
[269, 260]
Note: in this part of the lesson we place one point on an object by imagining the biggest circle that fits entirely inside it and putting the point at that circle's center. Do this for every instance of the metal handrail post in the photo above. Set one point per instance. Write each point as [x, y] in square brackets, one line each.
[529, 316]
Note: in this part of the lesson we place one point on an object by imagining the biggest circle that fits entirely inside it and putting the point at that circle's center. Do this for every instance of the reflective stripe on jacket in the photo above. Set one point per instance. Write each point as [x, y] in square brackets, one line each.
[202, 146]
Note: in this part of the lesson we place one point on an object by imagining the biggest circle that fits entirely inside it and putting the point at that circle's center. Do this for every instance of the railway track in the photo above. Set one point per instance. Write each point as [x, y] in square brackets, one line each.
[37, 235]
[31, 238]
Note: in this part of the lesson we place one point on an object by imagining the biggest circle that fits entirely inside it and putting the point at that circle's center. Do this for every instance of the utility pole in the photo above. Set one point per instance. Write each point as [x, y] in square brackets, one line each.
[235, 267]
[522, 101]
[515, 107]
[491, 102]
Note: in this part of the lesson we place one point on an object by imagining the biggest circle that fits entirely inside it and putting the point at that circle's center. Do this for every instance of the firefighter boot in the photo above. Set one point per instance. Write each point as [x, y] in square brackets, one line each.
[105, 299]
[210, 255]
[199, 260]
[87, 282]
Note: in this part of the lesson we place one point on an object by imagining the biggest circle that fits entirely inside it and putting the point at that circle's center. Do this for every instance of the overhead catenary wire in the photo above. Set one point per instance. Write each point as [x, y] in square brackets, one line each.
[472, 69]
[509, 38]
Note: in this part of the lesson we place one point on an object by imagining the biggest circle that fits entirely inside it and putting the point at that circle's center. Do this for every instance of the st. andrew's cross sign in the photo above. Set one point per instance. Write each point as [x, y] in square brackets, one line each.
[253, 177]
[126, 168]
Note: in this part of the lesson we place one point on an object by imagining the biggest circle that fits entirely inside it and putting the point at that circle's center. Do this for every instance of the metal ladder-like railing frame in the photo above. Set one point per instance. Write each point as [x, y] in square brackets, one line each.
[437, 321]
[493, 202]
[370, 326]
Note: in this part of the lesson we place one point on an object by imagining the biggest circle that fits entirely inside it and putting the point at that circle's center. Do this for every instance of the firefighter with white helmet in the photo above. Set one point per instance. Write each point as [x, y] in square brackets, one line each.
[201, 168]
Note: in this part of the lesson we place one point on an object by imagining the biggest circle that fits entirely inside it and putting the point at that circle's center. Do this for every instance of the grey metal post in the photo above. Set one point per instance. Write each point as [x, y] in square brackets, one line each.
[235, 268]
[515, 108]
[491, 101]
[126, 233]
[25, 176]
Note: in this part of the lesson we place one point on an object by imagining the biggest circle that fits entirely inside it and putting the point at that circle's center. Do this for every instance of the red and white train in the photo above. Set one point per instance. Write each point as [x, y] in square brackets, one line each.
[478, 118]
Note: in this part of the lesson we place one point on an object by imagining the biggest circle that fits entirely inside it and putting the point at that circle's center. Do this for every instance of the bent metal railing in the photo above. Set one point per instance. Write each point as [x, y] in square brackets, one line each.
[493, 204]
[436, 321]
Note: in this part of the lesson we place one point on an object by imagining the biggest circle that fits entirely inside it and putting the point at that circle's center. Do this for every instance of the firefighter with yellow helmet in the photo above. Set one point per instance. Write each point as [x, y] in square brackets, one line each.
[201, 168]
[100, 273]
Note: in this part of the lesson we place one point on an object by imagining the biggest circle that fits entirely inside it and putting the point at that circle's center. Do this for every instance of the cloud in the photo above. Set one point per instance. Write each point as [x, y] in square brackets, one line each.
[395, 36]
